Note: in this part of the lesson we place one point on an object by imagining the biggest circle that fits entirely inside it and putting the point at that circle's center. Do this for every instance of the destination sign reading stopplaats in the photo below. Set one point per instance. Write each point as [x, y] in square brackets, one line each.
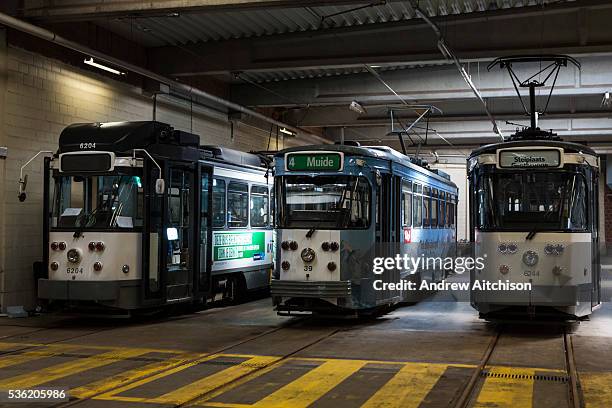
[312, 161]
[529, 158]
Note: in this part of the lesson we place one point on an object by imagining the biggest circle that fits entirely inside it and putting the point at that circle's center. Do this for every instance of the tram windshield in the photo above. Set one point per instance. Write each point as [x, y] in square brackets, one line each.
[554, 201]
[97, 202]
[326, 202]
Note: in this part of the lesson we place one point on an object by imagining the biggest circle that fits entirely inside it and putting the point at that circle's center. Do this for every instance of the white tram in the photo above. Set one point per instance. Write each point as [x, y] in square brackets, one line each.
[139, 215]
[534, 212]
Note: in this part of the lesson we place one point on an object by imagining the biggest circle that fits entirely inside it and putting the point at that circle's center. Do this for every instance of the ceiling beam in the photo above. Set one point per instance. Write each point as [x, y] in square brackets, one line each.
[576, 27]
[75, 10]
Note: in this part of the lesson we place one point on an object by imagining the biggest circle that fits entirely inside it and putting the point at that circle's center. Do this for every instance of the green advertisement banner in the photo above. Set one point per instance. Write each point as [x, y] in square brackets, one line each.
[239, 245]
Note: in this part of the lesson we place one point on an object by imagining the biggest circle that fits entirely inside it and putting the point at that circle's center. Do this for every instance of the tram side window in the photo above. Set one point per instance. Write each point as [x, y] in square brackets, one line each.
[442, 209]
[450, 214]
[237, 205]
[434, 209]
[218, 207]
[407, 203]
[426, 206]
[417, 206]
[259, 206]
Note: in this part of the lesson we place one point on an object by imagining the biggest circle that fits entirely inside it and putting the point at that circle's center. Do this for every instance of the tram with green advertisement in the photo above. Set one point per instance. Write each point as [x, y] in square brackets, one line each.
[138, 215]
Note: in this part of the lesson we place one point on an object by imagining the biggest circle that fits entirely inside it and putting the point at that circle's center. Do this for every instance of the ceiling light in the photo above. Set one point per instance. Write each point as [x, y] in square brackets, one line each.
[287, 132]
[356, 107]
[93, 63]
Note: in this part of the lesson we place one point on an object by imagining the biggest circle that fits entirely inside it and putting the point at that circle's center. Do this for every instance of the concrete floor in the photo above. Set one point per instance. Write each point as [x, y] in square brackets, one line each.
[247, 356]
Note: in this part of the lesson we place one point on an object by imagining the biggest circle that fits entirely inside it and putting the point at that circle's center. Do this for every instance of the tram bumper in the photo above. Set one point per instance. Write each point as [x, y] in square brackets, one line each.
[571, 299]
[77, 290]
[310, 295]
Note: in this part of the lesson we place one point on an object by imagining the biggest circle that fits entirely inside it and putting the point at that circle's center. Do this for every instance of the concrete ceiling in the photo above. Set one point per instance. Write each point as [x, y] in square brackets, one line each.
[307, 60]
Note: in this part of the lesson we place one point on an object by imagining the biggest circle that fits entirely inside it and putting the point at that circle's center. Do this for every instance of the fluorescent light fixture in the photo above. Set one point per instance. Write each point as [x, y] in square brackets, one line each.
[357, 107]
[375, 66]
[93, 63]
[287, 132]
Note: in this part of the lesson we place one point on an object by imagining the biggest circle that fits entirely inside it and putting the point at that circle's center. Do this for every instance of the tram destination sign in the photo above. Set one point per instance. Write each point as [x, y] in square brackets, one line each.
[529, 158]
[314, 161]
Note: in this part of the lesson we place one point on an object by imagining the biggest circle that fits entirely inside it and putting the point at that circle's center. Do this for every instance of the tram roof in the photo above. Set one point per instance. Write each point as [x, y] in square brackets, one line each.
[124, 136]
[377, 152]
[567, 146]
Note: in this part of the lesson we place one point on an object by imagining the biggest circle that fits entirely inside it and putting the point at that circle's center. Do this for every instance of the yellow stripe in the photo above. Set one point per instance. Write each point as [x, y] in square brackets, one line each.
[106, 384]
[69, 368]
[597, 389]
[408, 387]
[114, 394]
[214, 381]
[28, 356]
[312, 385]
[507, 392]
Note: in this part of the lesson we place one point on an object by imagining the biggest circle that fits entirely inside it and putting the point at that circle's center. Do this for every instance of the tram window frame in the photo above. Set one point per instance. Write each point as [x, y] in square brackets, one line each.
[266, 196]
[442, 209]
[434, 209]
[244, 203]
[86, 193]
[215, 210]
[407, 203]
[417, 210]
[426, 207]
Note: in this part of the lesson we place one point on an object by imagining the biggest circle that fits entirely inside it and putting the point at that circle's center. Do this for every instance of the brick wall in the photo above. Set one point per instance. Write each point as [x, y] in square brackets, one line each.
[41, 97]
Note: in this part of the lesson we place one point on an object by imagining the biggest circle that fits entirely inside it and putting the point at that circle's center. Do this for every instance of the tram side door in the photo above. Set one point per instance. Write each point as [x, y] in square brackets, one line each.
[204, 235]
[596, 266]
[179, 240]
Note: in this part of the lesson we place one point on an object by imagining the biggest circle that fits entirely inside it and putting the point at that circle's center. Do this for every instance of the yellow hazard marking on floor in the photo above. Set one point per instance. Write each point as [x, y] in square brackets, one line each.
[76, 366]
[107, 384]
[409, 387]
[7, 360]
[311, 386]
[596, 389]
[507, 391]
[196, 388]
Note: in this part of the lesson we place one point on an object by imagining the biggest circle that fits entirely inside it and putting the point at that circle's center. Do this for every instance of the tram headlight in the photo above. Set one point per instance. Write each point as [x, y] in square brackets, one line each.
[54, 266]
[308, 255]
[54, 246]
[285, 265]
[325, 246]
[512, 248]
[62, 246]
[285, 245]
[125, 269]
[504, 269]
[331, 266]
[507, 248]
[74, 256]
[530, 258]
[100, 246]
[293, 245]
[97, 266]
[92, 246]
[334, 246]
[502, 248]
[554, 249]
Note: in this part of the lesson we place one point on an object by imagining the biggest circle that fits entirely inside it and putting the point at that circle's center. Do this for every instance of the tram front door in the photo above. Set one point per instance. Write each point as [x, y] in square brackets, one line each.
[170, 243]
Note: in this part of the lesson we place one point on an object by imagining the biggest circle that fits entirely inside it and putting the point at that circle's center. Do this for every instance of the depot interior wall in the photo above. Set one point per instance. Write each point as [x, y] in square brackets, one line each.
[41, 97]
[458, 175]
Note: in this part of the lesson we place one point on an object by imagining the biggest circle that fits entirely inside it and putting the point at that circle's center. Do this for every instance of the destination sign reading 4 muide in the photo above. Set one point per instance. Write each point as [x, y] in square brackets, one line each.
[314, 161]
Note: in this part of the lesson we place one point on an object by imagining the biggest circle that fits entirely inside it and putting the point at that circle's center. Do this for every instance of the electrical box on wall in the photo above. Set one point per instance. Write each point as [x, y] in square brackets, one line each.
[3, 152]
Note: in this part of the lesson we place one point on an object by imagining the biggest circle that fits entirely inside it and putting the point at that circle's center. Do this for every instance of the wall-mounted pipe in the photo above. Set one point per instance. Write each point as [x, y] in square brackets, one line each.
[50, 36]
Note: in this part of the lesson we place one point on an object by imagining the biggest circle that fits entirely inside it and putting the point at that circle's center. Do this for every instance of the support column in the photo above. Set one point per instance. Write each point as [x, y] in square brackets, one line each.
[3, 143]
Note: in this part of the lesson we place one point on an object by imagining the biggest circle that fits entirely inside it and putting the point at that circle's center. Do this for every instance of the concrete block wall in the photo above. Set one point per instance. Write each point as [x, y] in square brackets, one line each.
[38, 98]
